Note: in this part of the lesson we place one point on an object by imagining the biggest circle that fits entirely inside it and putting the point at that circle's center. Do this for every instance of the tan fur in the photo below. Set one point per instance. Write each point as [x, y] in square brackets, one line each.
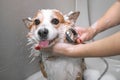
[59, 16]
[36, 17]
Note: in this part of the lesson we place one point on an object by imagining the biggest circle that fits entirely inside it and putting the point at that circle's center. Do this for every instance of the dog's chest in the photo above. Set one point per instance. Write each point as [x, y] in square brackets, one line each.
[62, 68]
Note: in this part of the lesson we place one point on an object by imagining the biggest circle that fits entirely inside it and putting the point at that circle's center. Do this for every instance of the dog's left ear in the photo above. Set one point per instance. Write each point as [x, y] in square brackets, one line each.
[28, 22]
[72, 16]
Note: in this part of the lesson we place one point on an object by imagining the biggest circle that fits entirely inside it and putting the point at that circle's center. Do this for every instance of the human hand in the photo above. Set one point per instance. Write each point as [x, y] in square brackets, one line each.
[63, 49]
[70, 50]
[85, 34]
[66, 49]
[59, 49]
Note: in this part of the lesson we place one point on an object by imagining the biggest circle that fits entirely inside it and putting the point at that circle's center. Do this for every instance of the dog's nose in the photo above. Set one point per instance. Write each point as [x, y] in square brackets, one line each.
[43, 33]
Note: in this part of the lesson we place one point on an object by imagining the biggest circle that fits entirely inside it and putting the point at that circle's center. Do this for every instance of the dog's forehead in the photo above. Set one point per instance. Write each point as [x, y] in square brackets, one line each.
[48, 14]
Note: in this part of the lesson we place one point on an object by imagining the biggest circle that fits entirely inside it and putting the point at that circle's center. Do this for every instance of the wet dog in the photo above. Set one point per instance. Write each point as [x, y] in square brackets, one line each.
[46, 28]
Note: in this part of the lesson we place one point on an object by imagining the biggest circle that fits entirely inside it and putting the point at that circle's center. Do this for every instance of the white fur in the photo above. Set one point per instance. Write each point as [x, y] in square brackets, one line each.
[63, 68]
[62, 31]
[67, 71]
[46, 23]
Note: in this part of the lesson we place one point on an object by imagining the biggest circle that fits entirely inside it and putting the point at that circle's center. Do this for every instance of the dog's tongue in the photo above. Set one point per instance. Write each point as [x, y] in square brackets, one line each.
[44, 43]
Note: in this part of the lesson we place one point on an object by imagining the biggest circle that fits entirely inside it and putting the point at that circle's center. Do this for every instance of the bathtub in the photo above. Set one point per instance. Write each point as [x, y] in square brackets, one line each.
[98, 64]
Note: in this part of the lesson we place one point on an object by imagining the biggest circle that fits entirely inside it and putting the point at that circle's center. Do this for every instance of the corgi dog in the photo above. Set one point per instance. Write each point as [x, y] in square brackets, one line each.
[46, 28]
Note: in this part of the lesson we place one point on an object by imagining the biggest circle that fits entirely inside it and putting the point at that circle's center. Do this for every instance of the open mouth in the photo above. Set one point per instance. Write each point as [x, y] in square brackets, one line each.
[47, 43]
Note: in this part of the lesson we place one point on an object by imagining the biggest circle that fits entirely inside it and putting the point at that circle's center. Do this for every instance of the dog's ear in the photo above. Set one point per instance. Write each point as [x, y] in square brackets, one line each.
[28, 22]
[72, 16]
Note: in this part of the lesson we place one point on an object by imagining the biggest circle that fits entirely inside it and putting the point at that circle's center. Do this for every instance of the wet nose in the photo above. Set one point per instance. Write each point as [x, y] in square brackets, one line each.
[43, 33]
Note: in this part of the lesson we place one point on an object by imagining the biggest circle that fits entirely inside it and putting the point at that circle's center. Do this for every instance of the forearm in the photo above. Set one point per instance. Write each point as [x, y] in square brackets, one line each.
[110, 19]
[105, 47]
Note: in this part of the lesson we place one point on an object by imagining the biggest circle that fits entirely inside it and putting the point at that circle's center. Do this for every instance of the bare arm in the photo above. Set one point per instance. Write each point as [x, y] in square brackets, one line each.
[105, 47]
[110, 19]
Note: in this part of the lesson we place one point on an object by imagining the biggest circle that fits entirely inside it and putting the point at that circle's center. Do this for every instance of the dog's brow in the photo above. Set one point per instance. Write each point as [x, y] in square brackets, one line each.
[59, 16]
[39, 12]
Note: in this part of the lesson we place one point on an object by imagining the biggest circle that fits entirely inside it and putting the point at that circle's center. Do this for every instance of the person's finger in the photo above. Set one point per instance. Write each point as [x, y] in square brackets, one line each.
[78, 41]
[80, 31]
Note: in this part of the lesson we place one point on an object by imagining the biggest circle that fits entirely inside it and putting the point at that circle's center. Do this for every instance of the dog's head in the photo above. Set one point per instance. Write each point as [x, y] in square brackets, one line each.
[48, 25]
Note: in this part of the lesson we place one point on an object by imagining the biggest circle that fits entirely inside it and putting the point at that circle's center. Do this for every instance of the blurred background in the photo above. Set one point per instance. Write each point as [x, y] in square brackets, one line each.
[14, 61]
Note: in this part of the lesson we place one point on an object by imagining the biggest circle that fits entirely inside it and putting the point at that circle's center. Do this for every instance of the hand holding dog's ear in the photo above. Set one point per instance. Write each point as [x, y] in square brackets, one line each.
[85, 34]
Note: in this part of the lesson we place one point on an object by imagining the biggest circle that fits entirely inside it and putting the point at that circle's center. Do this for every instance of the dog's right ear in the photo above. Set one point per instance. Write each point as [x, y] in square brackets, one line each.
[72, 16]
[28, 22]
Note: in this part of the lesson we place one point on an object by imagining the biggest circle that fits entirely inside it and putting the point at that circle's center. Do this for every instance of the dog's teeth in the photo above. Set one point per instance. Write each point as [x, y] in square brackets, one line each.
[32, 53]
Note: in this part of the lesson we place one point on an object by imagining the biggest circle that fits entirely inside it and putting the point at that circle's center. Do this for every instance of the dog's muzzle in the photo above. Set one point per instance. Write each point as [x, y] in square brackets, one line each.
[47, 43]
[44, 42]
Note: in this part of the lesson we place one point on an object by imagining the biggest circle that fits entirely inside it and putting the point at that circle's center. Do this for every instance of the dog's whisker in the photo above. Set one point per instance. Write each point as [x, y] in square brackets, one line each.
[31, 55]
[32, 50]
[34, 39]
[30, 40]
[32, 47]
[29, 43]
[32, 59]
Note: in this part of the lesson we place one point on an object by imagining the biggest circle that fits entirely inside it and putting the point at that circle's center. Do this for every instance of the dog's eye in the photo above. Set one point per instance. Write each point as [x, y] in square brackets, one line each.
[37, 21]
[55, 21]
